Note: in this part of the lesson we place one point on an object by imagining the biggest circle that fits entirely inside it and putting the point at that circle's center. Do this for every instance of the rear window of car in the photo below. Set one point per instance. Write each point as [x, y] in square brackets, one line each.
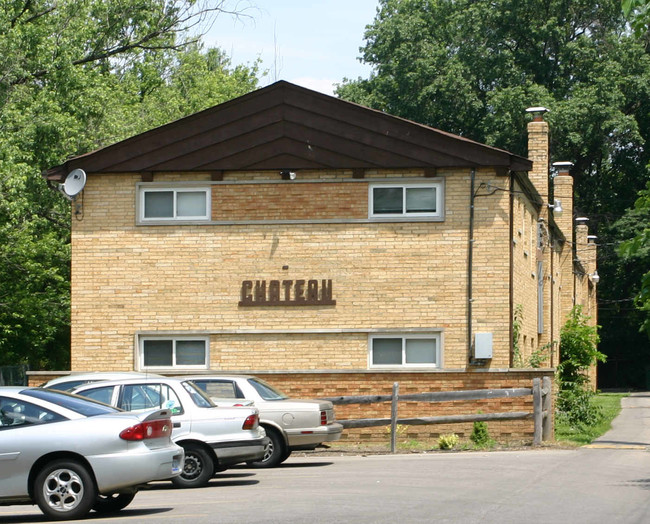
[198, 396]
[266, 391]
[83, 406]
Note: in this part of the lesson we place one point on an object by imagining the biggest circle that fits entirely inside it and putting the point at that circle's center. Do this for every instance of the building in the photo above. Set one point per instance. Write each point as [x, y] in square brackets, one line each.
[327, 247]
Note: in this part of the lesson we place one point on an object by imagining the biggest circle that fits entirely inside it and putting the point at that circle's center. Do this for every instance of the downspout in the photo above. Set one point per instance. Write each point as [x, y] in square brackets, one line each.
[470, 255]
[511, 277]
[552, 322]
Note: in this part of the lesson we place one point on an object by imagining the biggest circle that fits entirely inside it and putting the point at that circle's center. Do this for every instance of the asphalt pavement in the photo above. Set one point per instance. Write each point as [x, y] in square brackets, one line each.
[631, 428]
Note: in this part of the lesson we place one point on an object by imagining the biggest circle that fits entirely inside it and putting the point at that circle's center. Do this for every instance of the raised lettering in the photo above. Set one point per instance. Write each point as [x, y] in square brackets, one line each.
[312, 291]
[286, 284]
[299, 291]
[326, 290]
[274, 291]
[260, 291]
[246, 287]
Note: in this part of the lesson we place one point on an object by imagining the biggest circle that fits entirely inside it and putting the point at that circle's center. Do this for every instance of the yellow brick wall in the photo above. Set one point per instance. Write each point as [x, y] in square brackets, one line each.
[129, 279]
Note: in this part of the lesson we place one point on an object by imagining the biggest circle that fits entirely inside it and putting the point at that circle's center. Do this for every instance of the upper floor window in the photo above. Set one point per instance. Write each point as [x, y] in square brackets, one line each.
[406, 200]
[175, 204]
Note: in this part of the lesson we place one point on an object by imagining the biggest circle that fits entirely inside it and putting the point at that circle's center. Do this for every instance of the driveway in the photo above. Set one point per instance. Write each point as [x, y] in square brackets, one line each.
[607, 482]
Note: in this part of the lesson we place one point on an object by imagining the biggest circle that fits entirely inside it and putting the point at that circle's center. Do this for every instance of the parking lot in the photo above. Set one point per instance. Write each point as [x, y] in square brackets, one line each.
[608, 485]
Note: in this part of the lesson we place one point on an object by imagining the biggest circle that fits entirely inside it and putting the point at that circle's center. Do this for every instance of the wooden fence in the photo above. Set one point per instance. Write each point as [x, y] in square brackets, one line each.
[541, 415]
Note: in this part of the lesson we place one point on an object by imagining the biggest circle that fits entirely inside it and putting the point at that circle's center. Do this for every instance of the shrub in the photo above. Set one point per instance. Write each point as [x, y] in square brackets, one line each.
[480, 435]
[578, 351]
[449, 441]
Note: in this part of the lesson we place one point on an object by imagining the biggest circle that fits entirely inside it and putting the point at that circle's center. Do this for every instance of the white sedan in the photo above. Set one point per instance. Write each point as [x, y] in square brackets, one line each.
[212, 437]
[291, 424]
[70, 455]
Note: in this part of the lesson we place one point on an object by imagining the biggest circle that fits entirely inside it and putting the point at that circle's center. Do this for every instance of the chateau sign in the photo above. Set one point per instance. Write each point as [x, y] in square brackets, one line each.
[286, 293]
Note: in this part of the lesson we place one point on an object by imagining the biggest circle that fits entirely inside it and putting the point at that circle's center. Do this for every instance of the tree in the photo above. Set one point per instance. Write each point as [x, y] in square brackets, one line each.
[637, 248]
[75, 76]
[471, 67]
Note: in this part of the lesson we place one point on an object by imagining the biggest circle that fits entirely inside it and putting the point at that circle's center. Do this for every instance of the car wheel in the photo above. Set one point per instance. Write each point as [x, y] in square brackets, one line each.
[197, 469]
[64, 489]
[274, 453]
[112, 503]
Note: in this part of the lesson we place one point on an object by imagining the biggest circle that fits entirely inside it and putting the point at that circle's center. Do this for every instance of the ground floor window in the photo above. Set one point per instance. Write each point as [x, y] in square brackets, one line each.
[405, 350]
[174, 352]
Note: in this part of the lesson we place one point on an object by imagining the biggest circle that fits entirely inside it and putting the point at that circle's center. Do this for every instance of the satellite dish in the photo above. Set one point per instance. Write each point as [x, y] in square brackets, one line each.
[74, 183]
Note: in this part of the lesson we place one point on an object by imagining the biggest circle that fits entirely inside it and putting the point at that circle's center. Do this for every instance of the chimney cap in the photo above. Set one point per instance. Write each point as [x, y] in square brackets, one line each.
[563, 166]
[582, 219]
[537, 109]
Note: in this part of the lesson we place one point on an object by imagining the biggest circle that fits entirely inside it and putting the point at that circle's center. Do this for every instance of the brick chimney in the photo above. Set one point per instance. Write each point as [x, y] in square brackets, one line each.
[538, 152]
[563, 195]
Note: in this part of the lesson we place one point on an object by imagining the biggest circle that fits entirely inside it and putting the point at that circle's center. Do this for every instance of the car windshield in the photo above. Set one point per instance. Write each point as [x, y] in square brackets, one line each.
[83, 406]
[198, 396]
[266, 391]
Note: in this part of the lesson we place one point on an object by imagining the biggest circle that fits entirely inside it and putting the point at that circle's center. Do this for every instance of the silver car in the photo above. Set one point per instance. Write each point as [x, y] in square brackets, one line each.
[70, 455]
[212, 437]
[75, 379]
[290, 424]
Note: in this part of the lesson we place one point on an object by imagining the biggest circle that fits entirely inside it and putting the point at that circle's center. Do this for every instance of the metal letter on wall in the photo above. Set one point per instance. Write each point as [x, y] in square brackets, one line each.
[286, 293]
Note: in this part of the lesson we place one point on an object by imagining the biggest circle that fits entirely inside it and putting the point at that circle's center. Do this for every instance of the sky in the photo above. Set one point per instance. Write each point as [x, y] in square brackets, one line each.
[312, 43]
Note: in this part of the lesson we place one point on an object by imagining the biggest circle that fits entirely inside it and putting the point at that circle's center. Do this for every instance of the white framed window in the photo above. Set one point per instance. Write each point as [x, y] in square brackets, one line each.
[421, 350]
[174, 204]
[406, 200]
[174, 352]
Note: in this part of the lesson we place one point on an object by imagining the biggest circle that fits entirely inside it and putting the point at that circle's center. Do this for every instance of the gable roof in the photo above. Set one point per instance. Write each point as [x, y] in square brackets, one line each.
[284, 126]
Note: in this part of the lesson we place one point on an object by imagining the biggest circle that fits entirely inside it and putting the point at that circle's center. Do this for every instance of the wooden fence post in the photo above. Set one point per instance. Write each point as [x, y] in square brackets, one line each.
[537, 411]
[547, 409]
[393, 417]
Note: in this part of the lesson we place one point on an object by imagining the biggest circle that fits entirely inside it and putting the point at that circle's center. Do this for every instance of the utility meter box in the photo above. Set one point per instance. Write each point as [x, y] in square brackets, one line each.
[483, 345]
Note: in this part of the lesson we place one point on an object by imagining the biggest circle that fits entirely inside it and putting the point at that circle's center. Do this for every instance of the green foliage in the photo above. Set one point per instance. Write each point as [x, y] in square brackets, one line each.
[516, 336]
[75, 76]
[578, 348]
[480, 435]
[638, 12]
[607, 404]
[449, 441]
[575, 407]
[637, 248]
[578, 352]
[540, 356]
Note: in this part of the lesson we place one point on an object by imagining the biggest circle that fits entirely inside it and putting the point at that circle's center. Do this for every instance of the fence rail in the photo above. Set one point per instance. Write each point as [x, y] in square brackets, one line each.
[541, 414]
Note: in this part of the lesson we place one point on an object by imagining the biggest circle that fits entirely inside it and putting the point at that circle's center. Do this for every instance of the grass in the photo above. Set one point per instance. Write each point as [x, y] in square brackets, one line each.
[610, 405]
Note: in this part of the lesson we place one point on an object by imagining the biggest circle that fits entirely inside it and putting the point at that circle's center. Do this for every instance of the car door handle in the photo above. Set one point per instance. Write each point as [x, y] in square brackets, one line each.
[176, 425]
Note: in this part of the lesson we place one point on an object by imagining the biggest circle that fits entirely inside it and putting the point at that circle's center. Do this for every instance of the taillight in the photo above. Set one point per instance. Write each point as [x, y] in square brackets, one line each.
[323, 418]
[147, 430]
[251, 422]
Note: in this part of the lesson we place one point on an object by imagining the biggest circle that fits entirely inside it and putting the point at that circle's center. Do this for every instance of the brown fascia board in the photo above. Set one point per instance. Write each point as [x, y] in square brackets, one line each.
[372, 122]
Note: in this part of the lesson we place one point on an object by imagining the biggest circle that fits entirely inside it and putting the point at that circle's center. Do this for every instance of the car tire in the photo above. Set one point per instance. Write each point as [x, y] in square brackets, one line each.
[112, 503]
[275, 452]
[65, 490]
[197, 469]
